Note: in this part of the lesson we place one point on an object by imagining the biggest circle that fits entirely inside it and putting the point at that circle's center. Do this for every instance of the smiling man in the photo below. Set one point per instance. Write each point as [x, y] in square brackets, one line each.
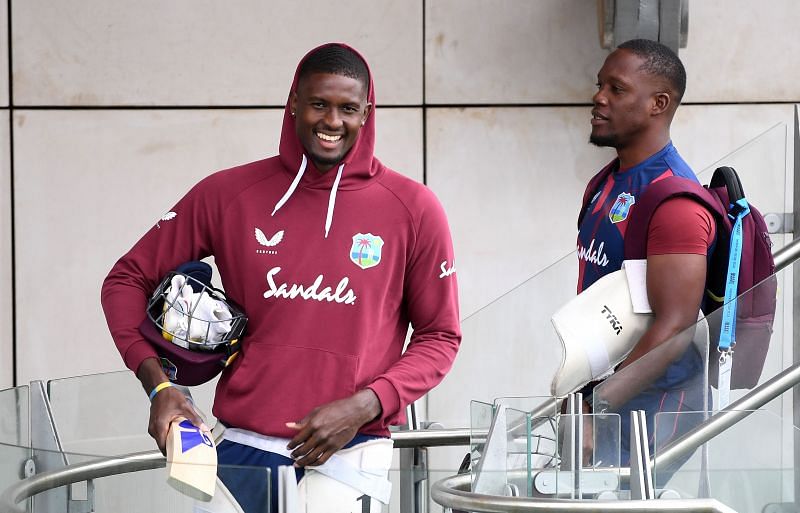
[639, 89]
[332, 256]
[329, 110]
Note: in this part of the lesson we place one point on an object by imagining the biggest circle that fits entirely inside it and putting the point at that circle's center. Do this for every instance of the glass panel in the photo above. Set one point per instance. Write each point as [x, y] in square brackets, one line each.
[671, 385]
[481, 415]
[604, 441]
[518, 353]
[452, 458]
[143, 491]
[14, 415]
[598, 462]
[515, 350]
[755, 453]
[756, 338]
[527, 455]
[501, 455]
[671, 377]
[532, 440]
[14, 435]
[761, 165]
[481, 420]
[12, 464]
[106, 414]
[519, 445]
[743, 467]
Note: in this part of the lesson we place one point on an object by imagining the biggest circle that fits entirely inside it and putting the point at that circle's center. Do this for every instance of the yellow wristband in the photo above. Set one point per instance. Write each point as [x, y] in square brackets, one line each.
[159, 388]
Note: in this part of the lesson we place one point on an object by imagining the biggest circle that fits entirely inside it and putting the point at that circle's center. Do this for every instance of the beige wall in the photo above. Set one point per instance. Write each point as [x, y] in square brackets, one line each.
[547, 51]
[499, 132]
[184, 52]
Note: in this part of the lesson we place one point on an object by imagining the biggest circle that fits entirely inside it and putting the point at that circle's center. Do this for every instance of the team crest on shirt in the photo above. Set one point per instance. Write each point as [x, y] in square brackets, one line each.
[366, 250]
[621, 207]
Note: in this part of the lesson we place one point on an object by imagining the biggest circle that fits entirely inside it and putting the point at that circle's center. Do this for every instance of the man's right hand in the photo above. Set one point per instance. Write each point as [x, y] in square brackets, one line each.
[168, 404]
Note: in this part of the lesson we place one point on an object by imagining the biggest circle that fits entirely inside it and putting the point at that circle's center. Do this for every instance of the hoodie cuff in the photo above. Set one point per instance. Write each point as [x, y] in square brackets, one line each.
[387, 395]
[137, 353]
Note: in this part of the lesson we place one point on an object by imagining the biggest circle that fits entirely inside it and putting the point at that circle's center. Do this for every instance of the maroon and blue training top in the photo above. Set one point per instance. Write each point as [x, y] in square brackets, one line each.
[602, 229]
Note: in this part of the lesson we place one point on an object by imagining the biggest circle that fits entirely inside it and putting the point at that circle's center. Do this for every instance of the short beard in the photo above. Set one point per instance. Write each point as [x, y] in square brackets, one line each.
[608, 141]
[325, 161]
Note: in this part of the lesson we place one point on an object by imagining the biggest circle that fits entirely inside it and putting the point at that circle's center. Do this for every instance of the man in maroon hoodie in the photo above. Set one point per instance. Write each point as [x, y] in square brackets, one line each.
[331, 255]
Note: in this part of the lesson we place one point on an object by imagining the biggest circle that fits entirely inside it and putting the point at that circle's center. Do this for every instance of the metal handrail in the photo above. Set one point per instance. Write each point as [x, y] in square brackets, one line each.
[787, 255]
[753, 400]
[453, 492]
[149, 460]
[431, 438]
[729, 416]
[450, 492]
[76, 473]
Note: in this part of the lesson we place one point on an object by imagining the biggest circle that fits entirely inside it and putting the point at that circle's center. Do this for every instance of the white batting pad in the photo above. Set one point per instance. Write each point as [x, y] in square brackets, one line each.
[597, 329]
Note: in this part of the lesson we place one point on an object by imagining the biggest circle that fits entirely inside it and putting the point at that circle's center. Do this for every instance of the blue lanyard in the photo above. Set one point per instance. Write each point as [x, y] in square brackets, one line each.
[727, 336]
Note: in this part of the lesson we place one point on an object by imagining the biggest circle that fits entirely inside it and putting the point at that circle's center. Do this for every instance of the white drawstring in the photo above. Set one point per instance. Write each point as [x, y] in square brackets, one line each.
[332, 201]
[292, 187]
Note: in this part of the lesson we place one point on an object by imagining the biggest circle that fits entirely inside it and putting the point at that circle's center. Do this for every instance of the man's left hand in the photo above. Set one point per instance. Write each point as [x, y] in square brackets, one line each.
[331, 426]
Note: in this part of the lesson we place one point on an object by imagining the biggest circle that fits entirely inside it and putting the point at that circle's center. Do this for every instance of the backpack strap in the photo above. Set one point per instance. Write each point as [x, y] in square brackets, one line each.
[593, 187]
[655, 194]
[727, 177]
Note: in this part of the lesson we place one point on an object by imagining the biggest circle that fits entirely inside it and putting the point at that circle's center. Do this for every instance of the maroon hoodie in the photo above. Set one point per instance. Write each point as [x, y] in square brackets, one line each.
[329, 274]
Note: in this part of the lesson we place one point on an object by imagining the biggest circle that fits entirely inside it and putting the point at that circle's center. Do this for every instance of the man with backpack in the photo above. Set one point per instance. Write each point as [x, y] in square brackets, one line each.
[640, 87]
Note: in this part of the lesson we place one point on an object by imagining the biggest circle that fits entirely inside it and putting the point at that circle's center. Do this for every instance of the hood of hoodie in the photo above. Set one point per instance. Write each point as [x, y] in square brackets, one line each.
[359, 163]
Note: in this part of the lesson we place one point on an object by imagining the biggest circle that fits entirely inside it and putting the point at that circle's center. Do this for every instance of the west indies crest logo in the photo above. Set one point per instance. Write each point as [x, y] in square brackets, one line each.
[366, 250]
[621, 207]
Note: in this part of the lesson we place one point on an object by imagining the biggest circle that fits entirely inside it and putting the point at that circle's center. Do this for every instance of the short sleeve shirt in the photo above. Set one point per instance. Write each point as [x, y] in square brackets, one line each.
[601, 233]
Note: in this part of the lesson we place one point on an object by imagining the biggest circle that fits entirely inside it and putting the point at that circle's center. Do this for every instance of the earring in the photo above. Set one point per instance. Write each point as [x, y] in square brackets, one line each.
[292, 114]
[362, 123]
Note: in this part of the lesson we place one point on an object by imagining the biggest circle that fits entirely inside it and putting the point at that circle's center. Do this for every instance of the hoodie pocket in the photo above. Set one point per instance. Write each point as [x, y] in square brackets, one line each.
[290, 381]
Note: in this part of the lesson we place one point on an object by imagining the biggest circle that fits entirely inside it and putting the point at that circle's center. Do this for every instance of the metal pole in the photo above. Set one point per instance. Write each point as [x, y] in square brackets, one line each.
[452, 492]
[430, 438]
[787, 255]
[796, 305]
